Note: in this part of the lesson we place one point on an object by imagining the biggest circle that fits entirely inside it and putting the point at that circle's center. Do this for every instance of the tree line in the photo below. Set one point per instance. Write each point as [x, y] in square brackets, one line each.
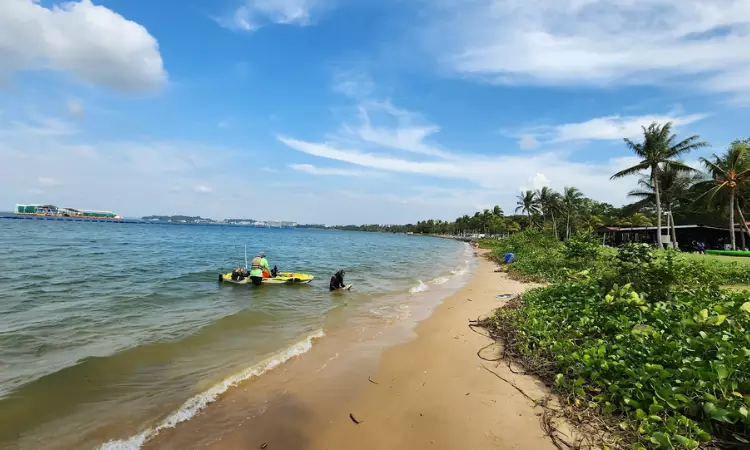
[718, 193]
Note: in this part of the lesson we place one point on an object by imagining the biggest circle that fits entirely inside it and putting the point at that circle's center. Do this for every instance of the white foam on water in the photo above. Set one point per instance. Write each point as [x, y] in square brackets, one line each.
[195, 404]
[421, 287]
[439, 280]
[392, 313]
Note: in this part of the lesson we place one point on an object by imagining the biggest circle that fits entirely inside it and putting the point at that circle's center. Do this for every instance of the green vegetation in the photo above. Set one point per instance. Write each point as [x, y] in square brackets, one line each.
[646, 338]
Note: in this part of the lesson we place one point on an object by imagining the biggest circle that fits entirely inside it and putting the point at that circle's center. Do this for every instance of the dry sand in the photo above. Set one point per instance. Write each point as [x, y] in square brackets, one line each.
[433, 392]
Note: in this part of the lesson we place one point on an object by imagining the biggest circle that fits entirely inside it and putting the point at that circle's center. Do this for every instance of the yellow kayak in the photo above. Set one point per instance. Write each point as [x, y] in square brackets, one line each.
[281, 278]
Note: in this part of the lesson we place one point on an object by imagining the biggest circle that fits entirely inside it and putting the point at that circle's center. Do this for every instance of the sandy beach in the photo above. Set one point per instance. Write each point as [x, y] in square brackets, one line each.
[433, 391]
[428, 390]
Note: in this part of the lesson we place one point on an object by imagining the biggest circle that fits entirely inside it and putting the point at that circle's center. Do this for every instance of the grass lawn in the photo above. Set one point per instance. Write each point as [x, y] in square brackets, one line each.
[717, 258]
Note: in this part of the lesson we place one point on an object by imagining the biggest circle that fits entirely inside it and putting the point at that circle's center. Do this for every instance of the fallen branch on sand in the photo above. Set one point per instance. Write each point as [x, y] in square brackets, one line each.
[370, 380]
[351, 416]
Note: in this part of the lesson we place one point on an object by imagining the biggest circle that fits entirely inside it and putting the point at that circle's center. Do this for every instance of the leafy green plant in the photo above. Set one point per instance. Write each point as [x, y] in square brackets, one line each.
[582, 248]
[653, 341]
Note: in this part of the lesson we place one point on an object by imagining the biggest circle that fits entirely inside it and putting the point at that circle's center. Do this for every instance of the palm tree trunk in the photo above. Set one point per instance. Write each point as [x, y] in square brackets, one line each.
[567, 228]
[744, 224]
[731, 219]
[554, 225]
[655, 181]
[674, 230]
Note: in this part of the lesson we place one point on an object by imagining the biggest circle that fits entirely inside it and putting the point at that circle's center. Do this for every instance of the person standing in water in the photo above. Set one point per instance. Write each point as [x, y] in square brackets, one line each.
[257, 267]
[337, 281]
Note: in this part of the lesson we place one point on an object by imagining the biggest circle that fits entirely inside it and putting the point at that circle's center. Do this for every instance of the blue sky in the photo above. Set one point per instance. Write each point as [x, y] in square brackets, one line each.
[329, 111]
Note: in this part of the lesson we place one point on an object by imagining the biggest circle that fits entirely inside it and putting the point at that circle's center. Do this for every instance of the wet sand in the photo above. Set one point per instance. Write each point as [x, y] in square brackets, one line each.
[409, 389]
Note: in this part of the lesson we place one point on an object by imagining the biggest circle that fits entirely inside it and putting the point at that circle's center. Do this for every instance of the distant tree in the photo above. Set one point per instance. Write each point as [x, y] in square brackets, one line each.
[549, 203]
[675, 186]
[571, 199]
[659, 147]
[729, 173]
[528, 204]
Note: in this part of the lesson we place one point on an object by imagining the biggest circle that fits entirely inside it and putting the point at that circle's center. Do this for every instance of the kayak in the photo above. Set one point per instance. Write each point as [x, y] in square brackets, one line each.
[281, 278]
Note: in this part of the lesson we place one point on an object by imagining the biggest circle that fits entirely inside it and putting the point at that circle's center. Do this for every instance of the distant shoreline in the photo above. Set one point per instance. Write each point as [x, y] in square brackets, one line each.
[12, 216]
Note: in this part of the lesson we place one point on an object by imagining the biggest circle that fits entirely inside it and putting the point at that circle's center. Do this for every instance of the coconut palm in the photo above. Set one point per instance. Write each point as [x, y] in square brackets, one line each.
[497, 211]
[659, 148]
[730, 173]
[674, 188]
[570, 200]
[528, 203]
[549, 203]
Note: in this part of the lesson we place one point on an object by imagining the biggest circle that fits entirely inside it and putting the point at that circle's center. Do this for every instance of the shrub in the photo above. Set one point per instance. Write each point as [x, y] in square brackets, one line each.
[582, 247]
[649, 336]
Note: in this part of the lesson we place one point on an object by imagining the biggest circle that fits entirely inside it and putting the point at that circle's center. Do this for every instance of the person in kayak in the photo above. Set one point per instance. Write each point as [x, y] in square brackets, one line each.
[258, 266]
[337, 281]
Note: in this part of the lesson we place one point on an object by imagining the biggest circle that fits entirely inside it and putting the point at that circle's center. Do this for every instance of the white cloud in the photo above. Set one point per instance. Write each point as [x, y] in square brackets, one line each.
[253, 14]
[92, 42]
[354, 84]
[503, 174]
[605, 128]
[408, 134]
[202, 189]
[539, 181]
[528, 142]
[596, 42]
[314, 170]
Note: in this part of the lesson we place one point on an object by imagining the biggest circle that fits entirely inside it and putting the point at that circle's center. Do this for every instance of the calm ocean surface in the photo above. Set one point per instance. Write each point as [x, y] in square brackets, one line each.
[109, 327]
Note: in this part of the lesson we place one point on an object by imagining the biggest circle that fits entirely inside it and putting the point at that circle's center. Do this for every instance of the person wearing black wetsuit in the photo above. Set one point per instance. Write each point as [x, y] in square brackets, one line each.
[337, 281]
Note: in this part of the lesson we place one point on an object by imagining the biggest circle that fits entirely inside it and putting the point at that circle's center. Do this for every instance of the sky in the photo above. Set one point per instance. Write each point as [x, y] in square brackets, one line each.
[366, 111]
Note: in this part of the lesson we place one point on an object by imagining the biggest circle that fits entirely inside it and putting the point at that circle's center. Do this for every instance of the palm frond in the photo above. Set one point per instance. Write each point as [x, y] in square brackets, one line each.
[643, 165]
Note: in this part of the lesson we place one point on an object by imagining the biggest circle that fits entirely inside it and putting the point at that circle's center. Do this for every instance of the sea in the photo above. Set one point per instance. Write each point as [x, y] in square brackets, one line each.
[111, 333]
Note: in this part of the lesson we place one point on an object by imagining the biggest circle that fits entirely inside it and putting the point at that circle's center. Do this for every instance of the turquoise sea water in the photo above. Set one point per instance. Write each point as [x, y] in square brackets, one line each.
[109, 327]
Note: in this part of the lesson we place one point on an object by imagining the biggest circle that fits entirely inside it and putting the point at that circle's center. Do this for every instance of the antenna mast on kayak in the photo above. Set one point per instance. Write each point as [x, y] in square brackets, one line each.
[246, 256]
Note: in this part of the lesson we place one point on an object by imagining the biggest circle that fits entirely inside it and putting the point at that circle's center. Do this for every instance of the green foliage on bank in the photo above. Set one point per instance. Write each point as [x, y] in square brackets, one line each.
[647, 338]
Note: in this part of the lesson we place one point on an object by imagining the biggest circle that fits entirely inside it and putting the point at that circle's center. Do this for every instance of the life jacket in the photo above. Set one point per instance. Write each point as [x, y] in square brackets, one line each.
[256, 263]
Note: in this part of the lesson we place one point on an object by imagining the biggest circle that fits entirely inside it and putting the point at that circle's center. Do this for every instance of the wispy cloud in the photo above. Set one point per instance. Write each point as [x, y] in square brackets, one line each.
[314, 170]
[38, 126]
[596, 42]
[409, 132]
[605, 128]
[251, 15]
[503, 174]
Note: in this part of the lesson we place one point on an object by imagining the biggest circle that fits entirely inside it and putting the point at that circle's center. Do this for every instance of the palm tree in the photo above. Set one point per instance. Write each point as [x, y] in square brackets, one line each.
[571, 198]
[497, 211]
[528, 203]
[659, 148]
[549, 202]
[674, 187]
[729, 174]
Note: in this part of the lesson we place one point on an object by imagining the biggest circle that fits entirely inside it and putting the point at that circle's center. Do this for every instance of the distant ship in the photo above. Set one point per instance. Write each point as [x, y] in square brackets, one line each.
[52, 211]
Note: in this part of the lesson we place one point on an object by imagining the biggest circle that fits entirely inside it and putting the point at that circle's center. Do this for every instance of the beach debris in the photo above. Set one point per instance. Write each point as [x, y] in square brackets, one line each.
[351, 416]
[504, 296]
[370, 380]
[264, 445]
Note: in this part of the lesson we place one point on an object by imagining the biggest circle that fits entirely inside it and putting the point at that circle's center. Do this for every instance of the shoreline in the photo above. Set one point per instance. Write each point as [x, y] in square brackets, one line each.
[408, 387]
[433, 391]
